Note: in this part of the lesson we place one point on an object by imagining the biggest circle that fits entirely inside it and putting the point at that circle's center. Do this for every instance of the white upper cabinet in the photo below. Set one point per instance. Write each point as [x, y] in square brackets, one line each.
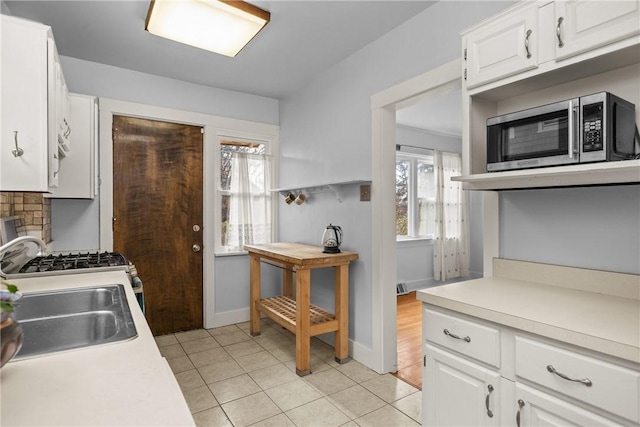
[540, 52]
[503, 47]
[78, 179]
[582, 25]
[30, 158]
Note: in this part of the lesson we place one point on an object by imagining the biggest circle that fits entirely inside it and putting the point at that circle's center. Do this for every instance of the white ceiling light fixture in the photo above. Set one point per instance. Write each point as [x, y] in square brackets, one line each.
[220, 26]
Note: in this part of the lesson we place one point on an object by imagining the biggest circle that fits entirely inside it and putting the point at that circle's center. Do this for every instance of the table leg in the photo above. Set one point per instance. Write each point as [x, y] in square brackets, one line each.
[254, 314]
[303, 339]
[342, 313]
[287, 280]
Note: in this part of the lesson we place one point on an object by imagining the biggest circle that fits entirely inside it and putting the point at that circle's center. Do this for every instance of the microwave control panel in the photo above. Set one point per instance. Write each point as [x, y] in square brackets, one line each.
[592, 127]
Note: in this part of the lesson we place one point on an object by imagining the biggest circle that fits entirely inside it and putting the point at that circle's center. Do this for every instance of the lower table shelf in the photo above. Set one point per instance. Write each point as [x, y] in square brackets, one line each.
[282, 310]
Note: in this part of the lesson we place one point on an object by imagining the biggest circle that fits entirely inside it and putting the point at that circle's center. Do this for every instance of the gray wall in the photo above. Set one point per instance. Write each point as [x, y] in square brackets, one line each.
[325, 135]
[595, 227]
[415, 257]
[75, 223]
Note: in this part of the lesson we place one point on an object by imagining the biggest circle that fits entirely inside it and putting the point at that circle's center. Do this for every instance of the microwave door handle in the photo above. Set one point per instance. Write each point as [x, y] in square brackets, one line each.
[570, 128]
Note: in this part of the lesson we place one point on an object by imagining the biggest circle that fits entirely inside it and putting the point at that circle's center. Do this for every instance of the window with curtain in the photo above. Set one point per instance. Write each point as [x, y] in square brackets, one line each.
[451, 248]
[244, 196]
[415, 197]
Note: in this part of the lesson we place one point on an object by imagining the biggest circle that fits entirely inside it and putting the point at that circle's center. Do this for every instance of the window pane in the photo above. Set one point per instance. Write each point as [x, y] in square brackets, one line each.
[426, 198]
[403, 168]
[243, 193]
[227, 148]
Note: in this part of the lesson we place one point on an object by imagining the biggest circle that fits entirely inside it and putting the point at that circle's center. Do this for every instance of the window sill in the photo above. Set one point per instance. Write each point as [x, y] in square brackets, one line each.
[230, 253]
[409, 240]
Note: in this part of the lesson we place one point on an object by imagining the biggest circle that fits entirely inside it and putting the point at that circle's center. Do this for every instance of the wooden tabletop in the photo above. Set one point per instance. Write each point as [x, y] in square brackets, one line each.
[300, 254]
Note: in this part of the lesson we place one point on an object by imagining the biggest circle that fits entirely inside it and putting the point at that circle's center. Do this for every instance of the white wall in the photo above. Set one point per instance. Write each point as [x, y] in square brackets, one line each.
[326, 135]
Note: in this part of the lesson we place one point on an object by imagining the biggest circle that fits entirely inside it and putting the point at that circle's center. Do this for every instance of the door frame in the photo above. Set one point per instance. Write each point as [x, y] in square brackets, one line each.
[384, 104]
[212, 126]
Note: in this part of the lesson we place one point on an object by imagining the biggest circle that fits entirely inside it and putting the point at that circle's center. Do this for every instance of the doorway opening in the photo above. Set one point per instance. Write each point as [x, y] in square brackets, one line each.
[441, 80]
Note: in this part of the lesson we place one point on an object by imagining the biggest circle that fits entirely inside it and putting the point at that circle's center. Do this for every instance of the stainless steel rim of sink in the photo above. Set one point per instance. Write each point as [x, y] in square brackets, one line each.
[55, 321]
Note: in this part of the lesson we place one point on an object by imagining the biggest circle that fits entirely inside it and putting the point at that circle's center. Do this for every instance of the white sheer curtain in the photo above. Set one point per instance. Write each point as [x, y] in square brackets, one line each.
[451, 249]
[250, 200]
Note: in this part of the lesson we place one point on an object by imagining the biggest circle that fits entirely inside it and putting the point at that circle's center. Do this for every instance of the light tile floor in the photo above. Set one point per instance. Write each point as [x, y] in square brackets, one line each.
[229, 378]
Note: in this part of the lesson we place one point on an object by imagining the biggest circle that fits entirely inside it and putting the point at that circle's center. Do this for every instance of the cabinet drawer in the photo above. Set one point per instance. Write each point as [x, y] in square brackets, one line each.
[613, 388]
[463, 336]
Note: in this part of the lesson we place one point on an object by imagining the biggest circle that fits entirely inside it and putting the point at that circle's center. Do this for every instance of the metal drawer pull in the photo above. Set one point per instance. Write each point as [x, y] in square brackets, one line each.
[446, 332]
[526, 43]
[521, 405]
[559, 31]
[585, 381]
[486, 401]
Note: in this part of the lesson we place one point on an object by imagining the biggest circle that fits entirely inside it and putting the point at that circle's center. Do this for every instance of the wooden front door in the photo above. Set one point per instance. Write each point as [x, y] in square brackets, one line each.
[157, 216]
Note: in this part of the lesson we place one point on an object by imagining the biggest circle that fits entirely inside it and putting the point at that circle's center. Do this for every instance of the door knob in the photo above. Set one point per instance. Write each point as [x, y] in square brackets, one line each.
[196, 227]
[196, 247]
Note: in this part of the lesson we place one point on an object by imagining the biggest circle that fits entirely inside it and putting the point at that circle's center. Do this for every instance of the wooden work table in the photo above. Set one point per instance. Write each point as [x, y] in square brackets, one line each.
[294, 311]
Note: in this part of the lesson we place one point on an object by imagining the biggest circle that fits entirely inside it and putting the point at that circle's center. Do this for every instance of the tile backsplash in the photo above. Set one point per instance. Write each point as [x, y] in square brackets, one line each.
[33, 211]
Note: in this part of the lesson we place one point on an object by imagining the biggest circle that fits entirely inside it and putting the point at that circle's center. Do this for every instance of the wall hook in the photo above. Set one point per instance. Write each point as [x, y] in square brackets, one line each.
[18, 151]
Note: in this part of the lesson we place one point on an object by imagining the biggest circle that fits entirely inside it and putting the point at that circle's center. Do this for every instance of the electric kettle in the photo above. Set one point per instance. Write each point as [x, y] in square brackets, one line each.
[331, 239]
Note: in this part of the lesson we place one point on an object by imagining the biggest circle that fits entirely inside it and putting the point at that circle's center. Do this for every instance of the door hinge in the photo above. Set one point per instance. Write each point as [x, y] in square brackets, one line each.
[465, 74]
[202, 131]
[465, 54]
[424, 360]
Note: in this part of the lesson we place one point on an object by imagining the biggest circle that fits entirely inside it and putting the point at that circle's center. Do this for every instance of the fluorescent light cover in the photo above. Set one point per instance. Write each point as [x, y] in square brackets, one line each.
[223, 27]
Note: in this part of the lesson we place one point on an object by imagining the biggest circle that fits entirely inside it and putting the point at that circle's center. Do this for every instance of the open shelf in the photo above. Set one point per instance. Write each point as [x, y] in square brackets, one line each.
[337, 187]
[282, 310]
[627, 171]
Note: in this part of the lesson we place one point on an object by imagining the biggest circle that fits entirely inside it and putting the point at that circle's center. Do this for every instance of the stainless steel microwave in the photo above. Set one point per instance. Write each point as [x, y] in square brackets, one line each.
[593, 128]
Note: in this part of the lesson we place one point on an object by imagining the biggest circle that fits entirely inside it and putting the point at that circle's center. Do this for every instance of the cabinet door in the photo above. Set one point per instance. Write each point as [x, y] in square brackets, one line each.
[503, 47]
[582, 25]
[78, 170]
[535, 408]
[458, 392]
[23, 93]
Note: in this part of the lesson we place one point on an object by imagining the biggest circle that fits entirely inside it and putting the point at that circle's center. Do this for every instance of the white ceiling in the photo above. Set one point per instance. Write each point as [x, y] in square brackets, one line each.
[441, 114]
[302, 39]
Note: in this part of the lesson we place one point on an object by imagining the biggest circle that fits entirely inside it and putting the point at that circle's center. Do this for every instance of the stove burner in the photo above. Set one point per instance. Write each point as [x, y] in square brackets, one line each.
[73, 262]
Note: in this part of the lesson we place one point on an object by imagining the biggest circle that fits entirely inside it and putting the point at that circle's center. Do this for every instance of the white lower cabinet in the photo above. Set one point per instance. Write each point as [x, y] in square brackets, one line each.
[481, 373]
[536, 408]
[459, 392]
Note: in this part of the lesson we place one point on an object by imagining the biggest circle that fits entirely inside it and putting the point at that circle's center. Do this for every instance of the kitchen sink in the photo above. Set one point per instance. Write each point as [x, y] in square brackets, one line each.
[76, 318]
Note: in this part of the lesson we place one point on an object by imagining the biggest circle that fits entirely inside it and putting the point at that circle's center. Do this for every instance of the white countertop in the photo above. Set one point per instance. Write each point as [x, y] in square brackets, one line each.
[127, 383]
[604, 323]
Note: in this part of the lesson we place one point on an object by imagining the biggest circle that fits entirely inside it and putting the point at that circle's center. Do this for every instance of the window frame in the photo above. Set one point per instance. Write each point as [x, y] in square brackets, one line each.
[412, 197]
[271, 150]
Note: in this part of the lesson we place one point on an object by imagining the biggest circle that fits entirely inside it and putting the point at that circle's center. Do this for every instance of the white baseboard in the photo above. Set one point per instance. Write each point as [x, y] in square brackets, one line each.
[231, 317]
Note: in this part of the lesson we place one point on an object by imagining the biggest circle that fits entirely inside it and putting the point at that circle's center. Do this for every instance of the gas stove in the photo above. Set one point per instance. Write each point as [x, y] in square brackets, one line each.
[24, 257]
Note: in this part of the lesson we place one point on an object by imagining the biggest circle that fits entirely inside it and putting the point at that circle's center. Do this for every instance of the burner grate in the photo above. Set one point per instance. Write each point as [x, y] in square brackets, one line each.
[73, 262]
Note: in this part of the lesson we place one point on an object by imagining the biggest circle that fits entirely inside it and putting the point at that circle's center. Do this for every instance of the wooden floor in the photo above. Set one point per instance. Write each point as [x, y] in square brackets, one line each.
[410, 340]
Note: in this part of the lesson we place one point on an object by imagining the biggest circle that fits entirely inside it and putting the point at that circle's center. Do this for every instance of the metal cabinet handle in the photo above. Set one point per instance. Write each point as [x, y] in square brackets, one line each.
[486, 401]
[526, 43]
[55, 173]
[18, 151]
[196, 247]
[521, 405]
[467, 338]
[559, 31]
[586, 381]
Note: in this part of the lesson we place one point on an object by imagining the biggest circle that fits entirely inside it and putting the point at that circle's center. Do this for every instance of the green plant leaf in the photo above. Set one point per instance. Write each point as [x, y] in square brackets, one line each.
[6, 307]
[12, 288]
